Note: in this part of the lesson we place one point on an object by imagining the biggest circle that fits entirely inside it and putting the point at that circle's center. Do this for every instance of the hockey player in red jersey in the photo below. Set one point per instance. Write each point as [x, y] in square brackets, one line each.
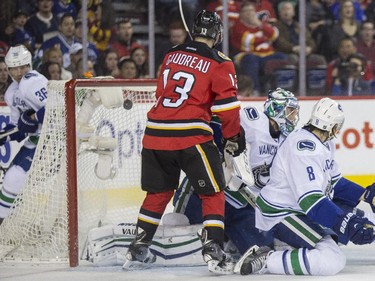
[196, 81]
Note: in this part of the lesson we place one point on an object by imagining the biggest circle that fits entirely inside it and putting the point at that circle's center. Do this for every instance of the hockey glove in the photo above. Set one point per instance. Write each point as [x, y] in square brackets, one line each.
[369, 196]
[235, 145]
[26, 123]
[350, 227]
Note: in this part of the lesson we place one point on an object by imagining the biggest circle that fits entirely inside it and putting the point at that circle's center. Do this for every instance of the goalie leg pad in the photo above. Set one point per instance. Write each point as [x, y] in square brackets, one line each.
[173, 245]
[175, 219]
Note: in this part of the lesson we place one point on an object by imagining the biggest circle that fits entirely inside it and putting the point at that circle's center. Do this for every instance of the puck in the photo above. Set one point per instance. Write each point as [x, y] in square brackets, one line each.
[128, 104]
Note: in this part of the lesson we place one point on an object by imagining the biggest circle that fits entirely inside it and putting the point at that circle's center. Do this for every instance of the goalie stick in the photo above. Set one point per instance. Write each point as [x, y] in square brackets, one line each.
[9, 132]
[248, 195]
[240, 170]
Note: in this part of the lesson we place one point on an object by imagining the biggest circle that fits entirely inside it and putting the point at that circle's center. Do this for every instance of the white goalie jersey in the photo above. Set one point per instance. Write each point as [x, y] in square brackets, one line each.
[263, 148]
[263, 145]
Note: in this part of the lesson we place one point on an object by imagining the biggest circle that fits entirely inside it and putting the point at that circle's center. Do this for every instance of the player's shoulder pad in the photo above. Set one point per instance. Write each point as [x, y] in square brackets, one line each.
[251, 113]
[219, 56]
[223, 56]
[306, 145]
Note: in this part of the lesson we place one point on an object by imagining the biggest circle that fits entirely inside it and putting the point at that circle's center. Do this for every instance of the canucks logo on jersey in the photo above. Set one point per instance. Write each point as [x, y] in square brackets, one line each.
[306, 145]
[261, 175]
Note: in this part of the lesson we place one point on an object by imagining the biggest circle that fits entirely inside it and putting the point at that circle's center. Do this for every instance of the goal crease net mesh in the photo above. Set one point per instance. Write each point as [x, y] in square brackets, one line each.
[37, 227]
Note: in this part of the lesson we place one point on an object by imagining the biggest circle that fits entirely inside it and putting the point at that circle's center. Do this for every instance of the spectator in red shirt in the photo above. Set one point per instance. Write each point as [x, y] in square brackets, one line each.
[233, 10]
[265, 10]
[251, 41]
[124, 42]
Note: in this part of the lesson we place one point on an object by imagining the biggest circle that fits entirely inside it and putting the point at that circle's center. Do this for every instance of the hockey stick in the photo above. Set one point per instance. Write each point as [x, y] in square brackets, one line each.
[183, 19]
[7, 133]
[241, 169]
[248, 195]
[240, 166]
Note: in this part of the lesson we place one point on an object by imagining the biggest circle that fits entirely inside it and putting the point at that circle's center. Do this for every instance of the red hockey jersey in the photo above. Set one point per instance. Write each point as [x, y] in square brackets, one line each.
[255, 40]
[195, 82]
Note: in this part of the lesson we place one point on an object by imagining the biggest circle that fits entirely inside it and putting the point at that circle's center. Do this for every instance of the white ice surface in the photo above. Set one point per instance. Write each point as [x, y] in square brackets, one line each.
[360, 267]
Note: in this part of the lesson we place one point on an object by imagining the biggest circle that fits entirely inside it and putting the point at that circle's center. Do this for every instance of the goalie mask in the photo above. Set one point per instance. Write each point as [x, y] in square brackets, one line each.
[282, 107]
[327, 115]
[208, 24]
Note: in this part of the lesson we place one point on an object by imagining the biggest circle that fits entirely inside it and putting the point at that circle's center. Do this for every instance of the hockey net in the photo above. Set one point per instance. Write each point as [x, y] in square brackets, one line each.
[72, 185]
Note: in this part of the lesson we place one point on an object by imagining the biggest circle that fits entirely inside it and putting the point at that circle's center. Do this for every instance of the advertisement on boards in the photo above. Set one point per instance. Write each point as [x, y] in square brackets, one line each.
[355, 145]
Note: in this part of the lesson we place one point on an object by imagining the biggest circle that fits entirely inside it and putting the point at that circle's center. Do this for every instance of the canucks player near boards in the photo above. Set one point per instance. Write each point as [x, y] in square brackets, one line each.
[265, 130]
[26, 98]
[297, 204]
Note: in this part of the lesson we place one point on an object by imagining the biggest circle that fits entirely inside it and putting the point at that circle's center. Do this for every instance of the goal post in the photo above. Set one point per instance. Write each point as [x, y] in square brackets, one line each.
[71, 156]
[85, 172]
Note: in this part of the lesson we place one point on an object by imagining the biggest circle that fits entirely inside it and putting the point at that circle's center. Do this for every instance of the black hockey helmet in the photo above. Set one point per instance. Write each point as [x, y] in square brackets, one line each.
[208, 24]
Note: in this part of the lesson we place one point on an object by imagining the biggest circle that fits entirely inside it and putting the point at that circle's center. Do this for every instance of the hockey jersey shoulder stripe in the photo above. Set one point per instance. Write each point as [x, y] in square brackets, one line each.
[226, 100]
[224, 107]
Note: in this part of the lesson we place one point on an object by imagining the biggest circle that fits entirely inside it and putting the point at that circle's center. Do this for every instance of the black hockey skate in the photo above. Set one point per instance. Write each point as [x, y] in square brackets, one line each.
[254, 261]
[217, 260]
[139, 254]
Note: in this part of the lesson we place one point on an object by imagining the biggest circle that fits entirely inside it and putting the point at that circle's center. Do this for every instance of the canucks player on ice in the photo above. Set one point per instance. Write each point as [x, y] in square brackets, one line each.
[25, 97]
[296, 204]
[264, 133]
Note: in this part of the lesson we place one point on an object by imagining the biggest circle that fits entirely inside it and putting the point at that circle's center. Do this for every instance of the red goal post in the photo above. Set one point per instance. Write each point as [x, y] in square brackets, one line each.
[85, 172]
[71, 159]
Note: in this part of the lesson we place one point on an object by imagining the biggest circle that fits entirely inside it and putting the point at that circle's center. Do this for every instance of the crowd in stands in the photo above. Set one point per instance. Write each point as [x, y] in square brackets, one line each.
[264, 41]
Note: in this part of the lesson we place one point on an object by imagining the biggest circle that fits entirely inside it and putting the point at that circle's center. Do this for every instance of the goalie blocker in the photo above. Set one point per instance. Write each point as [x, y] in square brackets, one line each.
[175, 243]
